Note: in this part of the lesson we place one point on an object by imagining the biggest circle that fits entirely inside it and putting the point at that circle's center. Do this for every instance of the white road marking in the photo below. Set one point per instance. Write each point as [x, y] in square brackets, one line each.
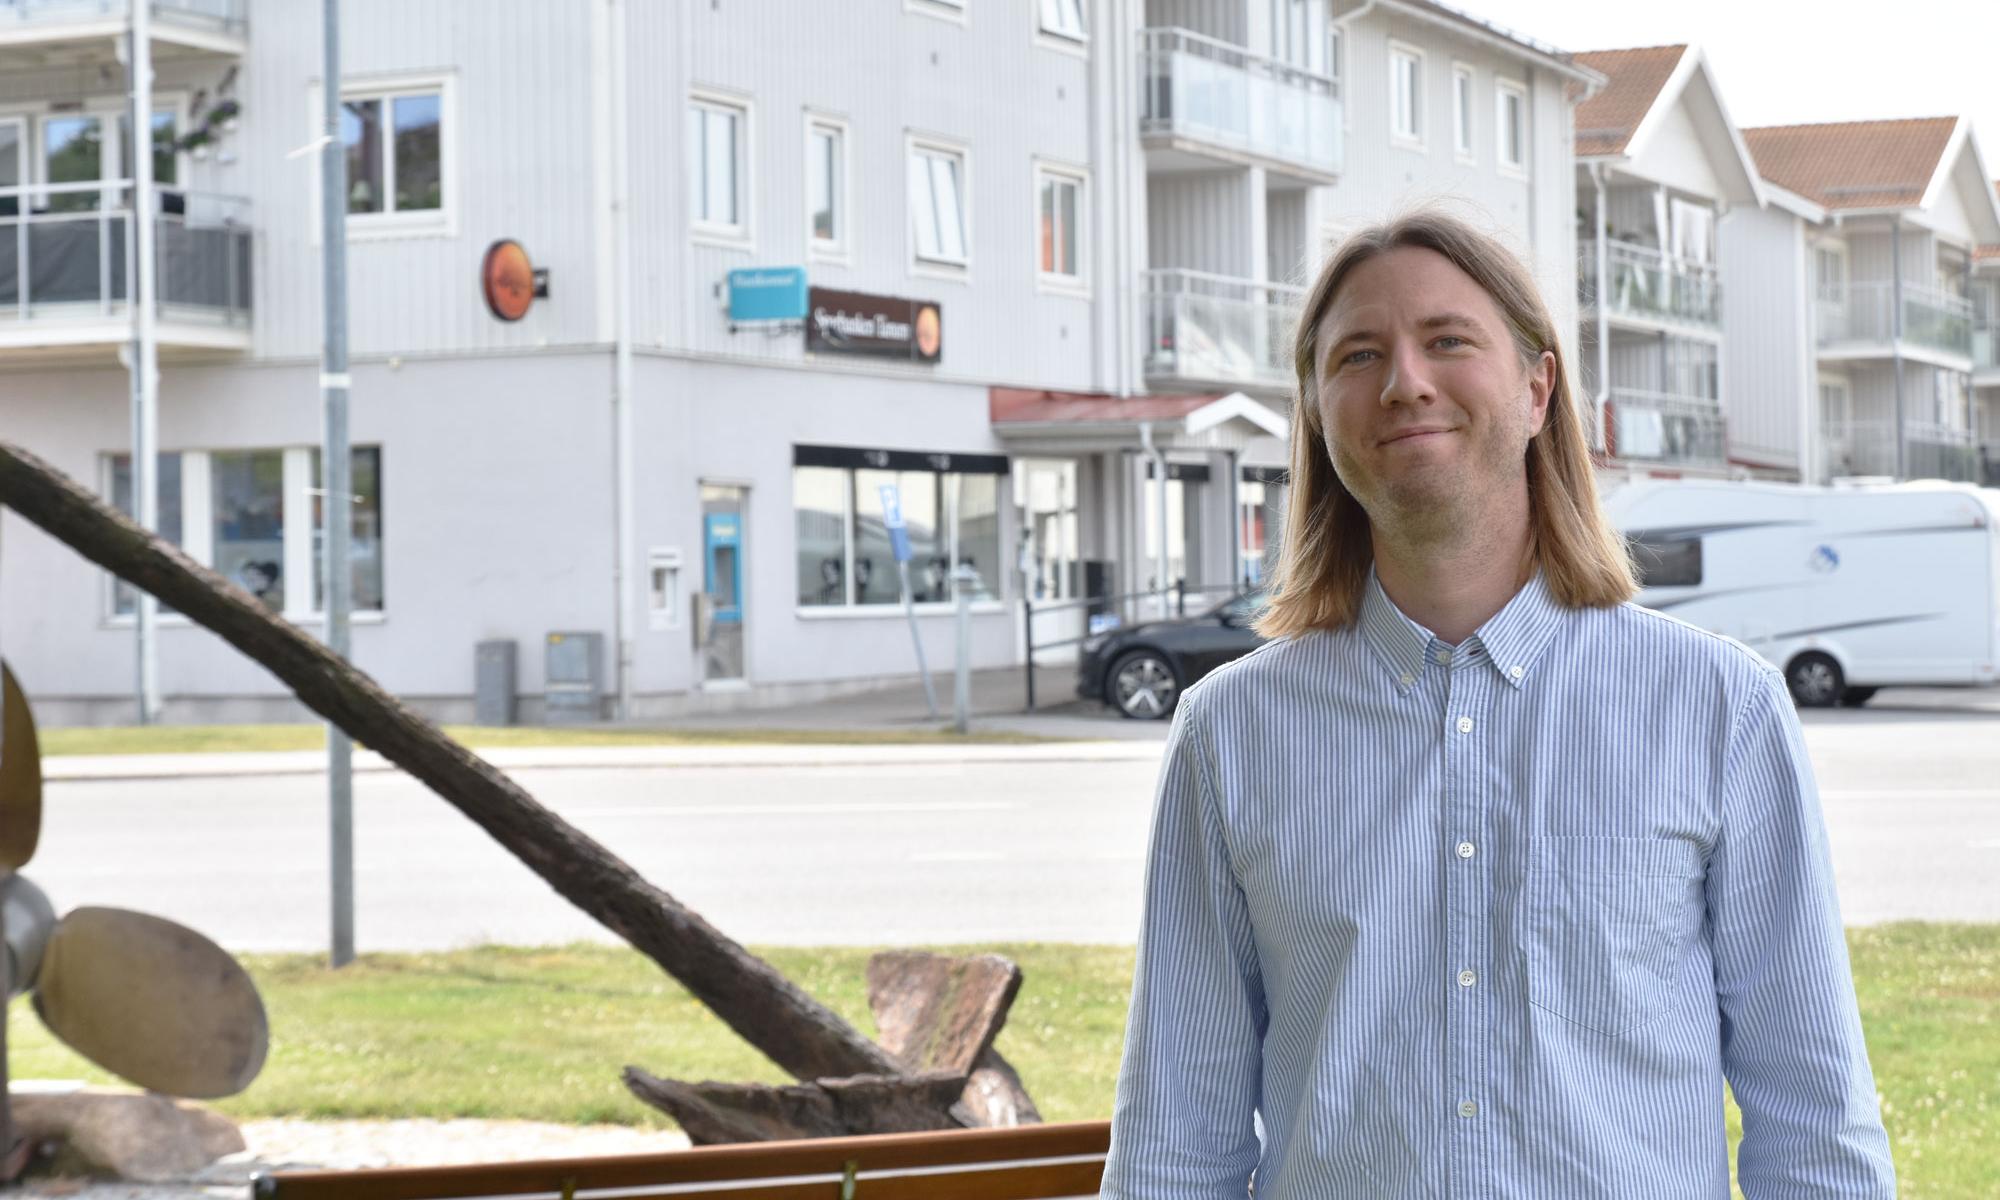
[956, 856]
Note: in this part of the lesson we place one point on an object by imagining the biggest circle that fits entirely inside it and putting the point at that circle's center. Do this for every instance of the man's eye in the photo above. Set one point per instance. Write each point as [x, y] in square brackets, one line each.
[1355, 357]
[1450, 341]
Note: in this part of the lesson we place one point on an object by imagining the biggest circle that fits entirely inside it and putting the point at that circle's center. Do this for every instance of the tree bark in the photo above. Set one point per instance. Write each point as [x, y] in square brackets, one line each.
[772, 1013]
[720, 1113]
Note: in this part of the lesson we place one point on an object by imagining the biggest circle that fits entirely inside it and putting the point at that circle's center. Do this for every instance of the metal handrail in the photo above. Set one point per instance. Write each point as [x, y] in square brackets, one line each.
[1165, 39]
[1185, 280]
[229, 15]
[195, 215]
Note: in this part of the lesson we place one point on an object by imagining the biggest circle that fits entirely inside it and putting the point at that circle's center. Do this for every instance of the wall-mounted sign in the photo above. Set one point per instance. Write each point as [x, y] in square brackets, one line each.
[509, 281]
[767, 294]
[878, 326]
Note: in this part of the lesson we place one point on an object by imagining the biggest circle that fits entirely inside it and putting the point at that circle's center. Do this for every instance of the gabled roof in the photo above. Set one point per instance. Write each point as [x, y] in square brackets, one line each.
[1605, 122]
[1479, 29]
[1855, 164]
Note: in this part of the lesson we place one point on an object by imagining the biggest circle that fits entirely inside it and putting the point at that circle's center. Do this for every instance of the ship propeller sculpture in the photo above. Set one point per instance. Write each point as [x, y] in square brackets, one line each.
[150, 1001]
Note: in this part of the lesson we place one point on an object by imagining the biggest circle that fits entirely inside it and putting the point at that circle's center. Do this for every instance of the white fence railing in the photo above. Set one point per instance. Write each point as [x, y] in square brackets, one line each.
[1203, 327]
[1208, 90]
[67, 250]
[225, 15]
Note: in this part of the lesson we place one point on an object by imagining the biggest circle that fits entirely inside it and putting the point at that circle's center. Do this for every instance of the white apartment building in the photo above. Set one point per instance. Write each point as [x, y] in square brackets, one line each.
[1031, 263]
[1658, 164]
[1986, 358]
[1850, 298]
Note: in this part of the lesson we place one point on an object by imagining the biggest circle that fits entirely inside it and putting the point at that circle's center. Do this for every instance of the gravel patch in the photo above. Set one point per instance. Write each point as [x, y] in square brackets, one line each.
[281, 1144]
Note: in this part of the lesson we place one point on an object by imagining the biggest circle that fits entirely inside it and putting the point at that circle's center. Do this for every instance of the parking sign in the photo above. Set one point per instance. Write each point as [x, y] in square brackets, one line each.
[892, 520]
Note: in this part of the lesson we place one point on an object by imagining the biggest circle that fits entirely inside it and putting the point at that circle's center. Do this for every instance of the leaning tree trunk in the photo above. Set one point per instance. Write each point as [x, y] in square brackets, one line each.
[772, 1013]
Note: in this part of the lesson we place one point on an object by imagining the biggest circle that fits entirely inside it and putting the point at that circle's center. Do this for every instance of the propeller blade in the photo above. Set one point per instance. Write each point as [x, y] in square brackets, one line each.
[152, 1001]
[20, 776]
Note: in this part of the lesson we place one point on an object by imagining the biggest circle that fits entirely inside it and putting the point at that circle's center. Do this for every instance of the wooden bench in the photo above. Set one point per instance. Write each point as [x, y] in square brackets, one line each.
[1029, 1162]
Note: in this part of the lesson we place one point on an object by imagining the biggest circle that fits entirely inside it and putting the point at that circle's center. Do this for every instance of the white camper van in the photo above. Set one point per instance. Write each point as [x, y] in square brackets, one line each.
[1846, 589]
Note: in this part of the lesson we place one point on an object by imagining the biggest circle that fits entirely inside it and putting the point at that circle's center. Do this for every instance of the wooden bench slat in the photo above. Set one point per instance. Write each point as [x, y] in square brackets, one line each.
[1088, 1140]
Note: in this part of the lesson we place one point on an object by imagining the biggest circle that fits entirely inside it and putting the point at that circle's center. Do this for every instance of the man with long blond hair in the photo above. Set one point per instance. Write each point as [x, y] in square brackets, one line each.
[1479, 880]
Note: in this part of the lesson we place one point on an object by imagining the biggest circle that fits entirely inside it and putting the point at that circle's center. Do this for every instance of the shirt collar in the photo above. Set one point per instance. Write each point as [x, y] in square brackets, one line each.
[1512, 638]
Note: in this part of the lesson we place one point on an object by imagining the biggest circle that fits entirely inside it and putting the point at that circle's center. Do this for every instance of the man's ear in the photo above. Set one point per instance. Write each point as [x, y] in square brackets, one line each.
[1541, 389]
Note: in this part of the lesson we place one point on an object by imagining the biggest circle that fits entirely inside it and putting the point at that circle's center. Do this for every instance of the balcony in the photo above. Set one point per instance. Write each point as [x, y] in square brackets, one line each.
[1649, 286]
[1869, 448]
[1857, 320]
[1207, 99]
[1986, 353]
[1205, 330]
[1667, 429]
[79, 32]
[67, 255]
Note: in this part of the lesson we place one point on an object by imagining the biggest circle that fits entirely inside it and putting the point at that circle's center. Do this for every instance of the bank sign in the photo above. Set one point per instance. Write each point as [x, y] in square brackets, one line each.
[875, 326]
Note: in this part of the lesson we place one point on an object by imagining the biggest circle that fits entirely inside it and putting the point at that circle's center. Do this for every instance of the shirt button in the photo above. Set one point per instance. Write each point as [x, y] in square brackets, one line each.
[1467, 978]
[1467, 1108]
[1465, 724]
[1444, 656]
[1465, 850]
[1408, 680]
[1514, 672]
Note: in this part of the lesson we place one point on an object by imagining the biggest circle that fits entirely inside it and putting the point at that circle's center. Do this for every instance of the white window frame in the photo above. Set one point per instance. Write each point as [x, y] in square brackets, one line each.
[108, 110]
[438, 222]
[1502, 89]
[1336, 61]
[943, 10]
[840, 248]
[198, 531]
[739, 235]
[1054, 281]
[1835, 249]
[946, 268]
[1062, 39]
[1415, 135]
[851, 608]
[1464, 110]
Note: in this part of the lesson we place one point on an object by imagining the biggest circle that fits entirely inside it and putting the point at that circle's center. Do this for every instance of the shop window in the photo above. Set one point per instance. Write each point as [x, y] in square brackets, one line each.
[846, 552]
[364, 539]
[124, 598]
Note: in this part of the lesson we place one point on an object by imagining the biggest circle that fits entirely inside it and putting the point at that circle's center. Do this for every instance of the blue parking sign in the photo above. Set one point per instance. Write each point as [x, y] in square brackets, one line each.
[892, 520]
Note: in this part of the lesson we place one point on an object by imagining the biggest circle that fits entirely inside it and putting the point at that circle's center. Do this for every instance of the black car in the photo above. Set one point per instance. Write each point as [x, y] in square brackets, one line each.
[1140, 671]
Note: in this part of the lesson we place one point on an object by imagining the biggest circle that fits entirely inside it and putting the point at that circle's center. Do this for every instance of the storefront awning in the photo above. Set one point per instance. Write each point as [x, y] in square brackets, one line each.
[1027, 418]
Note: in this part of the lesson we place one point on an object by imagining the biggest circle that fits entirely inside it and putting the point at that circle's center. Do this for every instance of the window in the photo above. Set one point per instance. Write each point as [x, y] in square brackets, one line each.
[1406, 94]
[1461, 111]
[1691, 232]
[1060, 205]
[72, 153]
[1511, 121]
[164, 155]
[1064, 18]
[364, 538]
[123, 597]
[937, 205]
[718, 162]
[257, 517]
[1299, 35]
[846, 553]
[826, 185]
[395, 151]
[1830, 271]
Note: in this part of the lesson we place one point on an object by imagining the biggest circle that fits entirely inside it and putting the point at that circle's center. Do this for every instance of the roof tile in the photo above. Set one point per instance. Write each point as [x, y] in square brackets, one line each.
[1606, 121]
[1853, 164]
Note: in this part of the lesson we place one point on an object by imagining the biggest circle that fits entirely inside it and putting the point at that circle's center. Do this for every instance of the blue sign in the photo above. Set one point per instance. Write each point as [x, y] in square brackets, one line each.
[767, 294]
[722, 547]
[892, 520]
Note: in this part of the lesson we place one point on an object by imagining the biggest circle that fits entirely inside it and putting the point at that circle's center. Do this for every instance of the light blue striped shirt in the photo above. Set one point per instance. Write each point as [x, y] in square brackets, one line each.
[1492, 920]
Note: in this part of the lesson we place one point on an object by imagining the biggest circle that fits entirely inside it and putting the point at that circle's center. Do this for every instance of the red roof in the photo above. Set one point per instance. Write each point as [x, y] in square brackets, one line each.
[1606, 121]
[1853, 164]
[1028, 405]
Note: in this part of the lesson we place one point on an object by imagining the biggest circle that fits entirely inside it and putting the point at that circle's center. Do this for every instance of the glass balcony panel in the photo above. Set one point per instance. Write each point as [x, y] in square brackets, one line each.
[1649, 285]
[1213, 328]
[1930, 451]
[1210, 91]
[1666, 428]
[1864, 313]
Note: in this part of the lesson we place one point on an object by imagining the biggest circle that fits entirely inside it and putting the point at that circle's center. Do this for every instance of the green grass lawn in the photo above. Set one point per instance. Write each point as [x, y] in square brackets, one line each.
[210, 739]
[542, 1033]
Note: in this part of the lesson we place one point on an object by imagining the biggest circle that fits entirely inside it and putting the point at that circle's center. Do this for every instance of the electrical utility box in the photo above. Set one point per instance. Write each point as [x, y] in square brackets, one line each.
[493, 674]
[573, 671]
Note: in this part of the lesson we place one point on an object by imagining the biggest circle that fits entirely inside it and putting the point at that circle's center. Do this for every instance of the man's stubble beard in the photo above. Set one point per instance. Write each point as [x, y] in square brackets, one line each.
[1436, 503]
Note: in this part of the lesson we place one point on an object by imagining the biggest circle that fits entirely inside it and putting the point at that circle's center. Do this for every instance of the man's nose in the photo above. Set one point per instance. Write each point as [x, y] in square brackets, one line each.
[1408, 378]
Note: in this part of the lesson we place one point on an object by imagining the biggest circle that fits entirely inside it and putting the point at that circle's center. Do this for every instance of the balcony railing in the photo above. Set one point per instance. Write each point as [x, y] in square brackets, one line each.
[1986, 345]
[1869, 448]
[1215, 328]
[1863, 314]
[1214, 92]
[1666, 428]
[223, 16]
[1650, 285]
[67, 252]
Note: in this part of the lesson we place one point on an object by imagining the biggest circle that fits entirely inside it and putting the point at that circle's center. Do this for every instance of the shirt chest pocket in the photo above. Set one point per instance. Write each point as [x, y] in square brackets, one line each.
[1607, 922]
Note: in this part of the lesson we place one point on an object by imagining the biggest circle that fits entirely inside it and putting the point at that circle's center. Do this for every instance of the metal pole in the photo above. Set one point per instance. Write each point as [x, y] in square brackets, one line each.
[625, 547]
[139, 292]
[1896, 336]
[910, 611]
[1028, 632]
[962, 580]
[336, 495]
[1601, 251]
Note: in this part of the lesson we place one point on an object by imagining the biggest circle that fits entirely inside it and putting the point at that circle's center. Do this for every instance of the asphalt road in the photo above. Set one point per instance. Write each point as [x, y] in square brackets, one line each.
[882, 854]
